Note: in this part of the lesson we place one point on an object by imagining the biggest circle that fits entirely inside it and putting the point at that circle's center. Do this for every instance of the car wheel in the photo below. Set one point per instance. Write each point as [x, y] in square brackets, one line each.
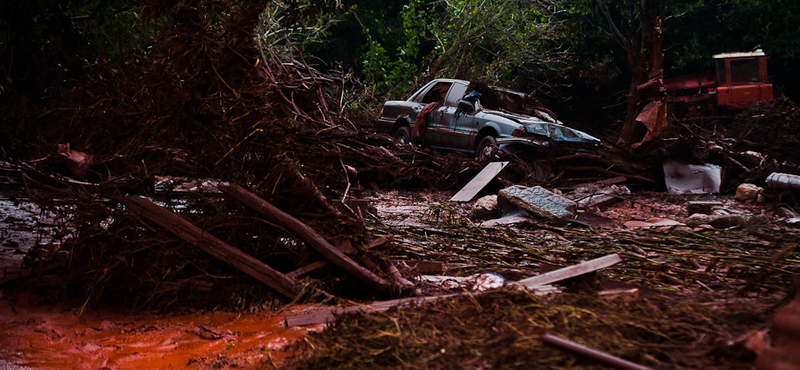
[402, 135]
[487, 149]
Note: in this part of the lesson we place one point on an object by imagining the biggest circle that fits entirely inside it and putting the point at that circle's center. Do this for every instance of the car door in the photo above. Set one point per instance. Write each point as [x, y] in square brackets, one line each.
[446, 118]
[465, 128]
[435, 130]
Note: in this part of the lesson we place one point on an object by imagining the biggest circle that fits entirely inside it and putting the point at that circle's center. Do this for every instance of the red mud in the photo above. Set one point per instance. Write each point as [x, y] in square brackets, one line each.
[53, 337]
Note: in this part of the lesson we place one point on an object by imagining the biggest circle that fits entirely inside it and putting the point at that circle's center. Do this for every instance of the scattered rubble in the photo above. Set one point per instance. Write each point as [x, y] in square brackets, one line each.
[748, 192]
[538, 202]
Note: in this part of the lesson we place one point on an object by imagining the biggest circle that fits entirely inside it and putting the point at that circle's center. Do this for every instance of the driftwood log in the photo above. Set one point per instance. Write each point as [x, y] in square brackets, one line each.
[306, 234]
[207, 242]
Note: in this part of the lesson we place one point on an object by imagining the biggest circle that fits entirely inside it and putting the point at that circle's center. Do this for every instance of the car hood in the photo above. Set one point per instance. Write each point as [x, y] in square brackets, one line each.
[555, 130]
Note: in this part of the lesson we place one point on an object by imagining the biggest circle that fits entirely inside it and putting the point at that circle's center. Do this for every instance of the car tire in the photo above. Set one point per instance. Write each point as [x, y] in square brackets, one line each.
[402, 135]
[487, 149]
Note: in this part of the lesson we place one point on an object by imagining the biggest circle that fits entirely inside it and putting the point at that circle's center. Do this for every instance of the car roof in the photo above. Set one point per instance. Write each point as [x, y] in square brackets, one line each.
[451, 80]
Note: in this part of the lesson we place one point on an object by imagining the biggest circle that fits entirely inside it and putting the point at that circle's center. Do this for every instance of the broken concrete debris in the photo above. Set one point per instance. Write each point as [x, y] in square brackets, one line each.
[485, 207]
[717, 216]
[598, 195]
[539, 202]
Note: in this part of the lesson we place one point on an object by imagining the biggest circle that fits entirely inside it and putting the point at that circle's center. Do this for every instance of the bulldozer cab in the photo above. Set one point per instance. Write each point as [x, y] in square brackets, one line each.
[742, 79]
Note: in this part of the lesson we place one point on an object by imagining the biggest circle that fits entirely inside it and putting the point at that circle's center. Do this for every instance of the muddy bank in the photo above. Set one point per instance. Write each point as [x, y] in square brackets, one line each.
[46, 336]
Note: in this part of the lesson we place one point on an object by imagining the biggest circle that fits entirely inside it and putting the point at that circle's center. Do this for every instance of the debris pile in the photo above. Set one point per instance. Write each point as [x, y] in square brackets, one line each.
[679, 296]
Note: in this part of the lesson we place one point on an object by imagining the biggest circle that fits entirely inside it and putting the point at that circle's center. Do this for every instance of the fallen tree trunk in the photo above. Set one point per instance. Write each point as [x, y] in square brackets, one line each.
[306, 234]
[205, 241]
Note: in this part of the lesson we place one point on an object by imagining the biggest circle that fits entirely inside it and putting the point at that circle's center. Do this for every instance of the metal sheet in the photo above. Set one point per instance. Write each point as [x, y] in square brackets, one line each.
[479, 182]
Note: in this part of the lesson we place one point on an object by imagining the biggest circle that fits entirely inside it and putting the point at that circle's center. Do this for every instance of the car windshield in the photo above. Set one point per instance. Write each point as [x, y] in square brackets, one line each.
[500, 99]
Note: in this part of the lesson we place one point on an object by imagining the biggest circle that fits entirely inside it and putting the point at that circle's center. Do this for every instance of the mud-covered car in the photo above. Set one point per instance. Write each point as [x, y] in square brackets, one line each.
[480, 119]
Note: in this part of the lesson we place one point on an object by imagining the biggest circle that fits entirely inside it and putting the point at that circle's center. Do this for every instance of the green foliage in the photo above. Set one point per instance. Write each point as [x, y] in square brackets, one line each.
[415, 21]
[497, 40]
[399, 70]
[464, 39]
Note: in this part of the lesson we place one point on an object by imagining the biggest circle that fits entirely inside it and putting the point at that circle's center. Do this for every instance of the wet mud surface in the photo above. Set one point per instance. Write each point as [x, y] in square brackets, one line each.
[36, 333]
[46, 336]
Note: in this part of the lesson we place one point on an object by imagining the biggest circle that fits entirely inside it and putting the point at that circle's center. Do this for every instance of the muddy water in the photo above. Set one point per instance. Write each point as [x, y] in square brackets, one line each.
[52, 337]
[46, 336]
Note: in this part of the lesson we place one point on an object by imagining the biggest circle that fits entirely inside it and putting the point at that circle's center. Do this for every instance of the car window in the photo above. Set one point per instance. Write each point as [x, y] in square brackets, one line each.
[437, 93]
[456, 93]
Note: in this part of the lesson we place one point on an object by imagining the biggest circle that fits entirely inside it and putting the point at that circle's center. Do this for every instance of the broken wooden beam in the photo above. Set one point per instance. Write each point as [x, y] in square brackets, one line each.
[306, 234]
[207, 242]
[591, 354]
[320, 264]
[569, 272]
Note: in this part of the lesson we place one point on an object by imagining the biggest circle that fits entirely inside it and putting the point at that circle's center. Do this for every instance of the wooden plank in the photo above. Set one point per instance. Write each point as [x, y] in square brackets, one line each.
[569, 272]
[306, 234]
[207, 242]
[478, 182]
[538, 283]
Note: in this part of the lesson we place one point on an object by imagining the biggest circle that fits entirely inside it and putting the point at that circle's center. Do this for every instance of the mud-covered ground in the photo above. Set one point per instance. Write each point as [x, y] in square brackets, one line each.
[683, 297]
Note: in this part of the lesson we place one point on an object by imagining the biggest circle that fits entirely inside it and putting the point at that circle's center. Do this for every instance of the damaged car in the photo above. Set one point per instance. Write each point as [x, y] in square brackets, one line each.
[482, 120]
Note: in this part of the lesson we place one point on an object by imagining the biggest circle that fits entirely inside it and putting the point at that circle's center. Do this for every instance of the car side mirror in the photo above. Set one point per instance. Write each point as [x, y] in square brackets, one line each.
[466, 106]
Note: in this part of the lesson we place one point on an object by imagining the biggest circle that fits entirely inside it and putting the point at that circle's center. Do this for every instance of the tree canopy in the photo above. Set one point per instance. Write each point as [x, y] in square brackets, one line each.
[558, 47]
